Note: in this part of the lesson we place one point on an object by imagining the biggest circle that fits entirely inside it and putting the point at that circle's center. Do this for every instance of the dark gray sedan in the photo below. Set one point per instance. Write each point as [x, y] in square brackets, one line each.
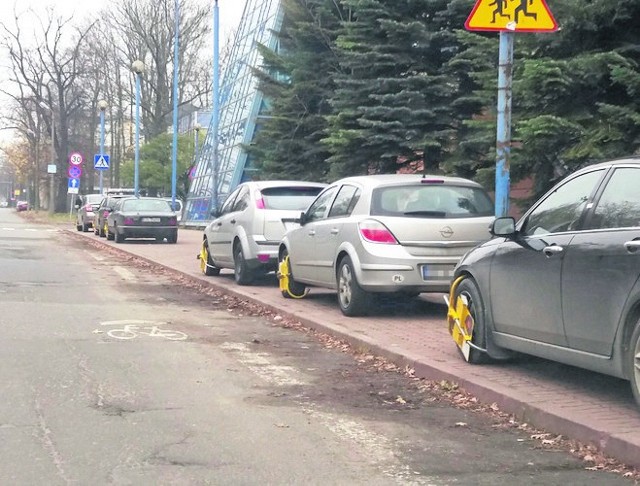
[142, 217]
[564, 282]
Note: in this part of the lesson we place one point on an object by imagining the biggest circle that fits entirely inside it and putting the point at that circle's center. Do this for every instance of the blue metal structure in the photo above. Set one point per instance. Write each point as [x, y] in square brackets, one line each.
[223, 164]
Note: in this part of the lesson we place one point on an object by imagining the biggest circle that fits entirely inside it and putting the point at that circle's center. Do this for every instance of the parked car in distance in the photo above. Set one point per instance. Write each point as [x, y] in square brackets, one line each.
[100, 218]
[563, 283]
[397, 234]
[177, 208]
[22, 206]
[86, 206]
[247, 230]
[142, 217]
[4, 204]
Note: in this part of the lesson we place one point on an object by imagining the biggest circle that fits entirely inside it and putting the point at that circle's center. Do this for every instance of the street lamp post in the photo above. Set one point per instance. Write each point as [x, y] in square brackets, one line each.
[138, 68]
[216, 100]
[102, 105]
[174, 151]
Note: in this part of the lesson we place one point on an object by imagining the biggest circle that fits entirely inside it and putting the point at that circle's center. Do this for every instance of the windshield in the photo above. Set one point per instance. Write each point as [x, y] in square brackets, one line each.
[434, 201]
[289, 198]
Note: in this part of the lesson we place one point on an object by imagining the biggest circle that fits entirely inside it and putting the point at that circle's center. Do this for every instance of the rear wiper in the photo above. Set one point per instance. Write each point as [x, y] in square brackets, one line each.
[429, 214]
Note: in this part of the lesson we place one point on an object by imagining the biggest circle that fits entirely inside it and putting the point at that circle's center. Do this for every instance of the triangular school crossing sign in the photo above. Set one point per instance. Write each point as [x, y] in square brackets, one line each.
[511, 16]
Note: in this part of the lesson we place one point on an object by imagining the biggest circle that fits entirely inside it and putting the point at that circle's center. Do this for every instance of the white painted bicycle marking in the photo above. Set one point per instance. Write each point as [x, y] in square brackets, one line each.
[133, 328]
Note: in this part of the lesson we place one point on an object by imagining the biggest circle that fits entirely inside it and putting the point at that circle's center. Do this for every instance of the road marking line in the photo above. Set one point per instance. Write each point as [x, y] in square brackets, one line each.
[124, 273]
[262, 366]
[100, 258]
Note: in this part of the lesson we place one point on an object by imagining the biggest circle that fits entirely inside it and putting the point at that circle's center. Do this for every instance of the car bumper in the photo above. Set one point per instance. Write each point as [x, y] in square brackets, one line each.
[146, 231]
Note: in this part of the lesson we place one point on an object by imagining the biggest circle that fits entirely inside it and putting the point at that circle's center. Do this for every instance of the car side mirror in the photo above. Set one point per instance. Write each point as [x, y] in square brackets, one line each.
[504, 227]
[303, 218]
[215, 213]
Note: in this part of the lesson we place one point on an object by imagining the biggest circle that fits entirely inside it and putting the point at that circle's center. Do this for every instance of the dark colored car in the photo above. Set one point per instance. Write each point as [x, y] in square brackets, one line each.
[564, 282]
[100, 218]
[86, 206]
[142, 217]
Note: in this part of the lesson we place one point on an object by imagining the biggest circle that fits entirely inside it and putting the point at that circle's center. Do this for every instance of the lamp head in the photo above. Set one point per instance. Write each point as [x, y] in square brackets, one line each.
[137, 66]
[103, 105]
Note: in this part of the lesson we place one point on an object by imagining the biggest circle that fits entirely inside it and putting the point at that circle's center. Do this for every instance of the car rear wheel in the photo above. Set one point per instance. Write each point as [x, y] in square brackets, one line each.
[470, 294]
[173, 237]
[96, 230]
[634, 363]
[119, 237]
[103, 230]
[294, 289]
[85, 227]
[353, 300]
[78, 226]
[206, 263]
[243, 274]
[108, 232]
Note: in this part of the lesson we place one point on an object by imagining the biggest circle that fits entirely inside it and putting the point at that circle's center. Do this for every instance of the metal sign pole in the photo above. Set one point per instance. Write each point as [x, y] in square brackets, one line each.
[503, 141]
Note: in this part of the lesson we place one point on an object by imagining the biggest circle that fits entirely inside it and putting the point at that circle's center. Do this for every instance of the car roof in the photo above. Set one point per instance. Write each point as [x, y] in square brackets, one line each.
[376, 180]
[281, 183]
[632, 160]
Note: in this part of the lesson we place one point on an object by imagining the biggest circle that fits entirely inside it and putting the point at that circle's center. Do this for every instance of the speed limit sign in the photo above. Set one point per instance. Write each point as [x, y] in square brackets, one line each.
[76, 158]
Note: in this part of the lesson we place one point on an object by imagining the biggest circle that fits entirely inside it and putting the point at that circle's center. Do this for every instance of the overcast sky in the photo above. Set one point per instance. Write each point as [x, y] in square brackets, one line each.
[230, 10]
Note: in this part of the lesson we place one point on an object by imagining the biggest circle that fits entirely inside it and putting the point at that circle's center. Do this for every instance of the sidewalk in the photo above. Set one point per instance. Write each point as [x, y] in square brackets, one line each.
[580, 405]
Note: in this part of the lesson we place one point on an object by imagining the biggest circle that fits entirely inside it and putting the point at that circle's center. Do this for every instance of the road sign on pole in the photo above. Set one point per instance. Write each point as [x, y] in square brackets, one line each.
[511, 16]
[76, 158]
[74, 186]
[101, 161]
[74, 171]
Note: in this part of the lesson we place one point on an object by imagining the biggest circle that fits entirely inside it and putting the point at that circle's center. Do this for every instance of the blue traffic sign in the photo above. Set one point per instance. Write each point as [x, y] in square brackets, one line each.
[101, 161]
[74, 183]
[74, 171]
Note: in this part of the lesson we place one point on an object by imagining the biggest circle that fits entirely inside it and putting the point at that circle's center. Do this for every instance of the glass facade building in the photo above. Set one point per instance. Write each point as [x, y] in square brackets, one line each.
[240, 104]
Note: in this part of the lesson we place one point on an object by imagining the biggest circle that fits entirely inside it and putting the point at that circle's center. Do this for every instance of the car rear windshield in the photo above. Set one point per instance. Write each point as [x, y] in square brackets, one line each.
[289, 198]
[146, 205]
[93, 198]
[431, 201]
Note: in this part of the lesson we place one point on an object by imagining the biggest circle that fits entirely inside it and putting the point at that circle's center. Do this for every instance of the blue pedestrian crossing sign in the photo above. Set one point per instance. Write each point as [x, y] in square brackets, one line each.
[101, 161]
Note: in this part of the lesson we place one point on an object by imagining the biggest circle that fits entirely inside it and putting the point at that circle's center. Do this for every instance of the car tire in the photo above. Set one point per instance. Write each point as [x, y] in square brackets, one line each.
[103, 230]
[85, 227]
[468, 289]
[634, 363]
[96, 230]
[242, 272]
[110, 235]
[173, 237]
[295, 288]
[118, 236]
[353, 300]
[206, 262]
[78, 226]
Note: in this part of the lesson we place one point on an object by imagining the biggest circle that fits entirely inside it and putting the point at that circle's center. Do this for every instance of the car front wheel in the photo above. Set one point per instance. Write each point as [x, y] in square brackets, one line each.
[243, 274]
[294, 289]
[634, 363]
[206, 262]
[470, 294]
[353, 300]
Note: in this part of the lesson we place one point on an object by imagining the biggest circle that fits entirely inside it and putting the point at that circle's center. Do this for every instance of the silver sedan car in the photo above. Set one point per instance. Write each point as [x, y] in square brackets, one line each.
[564, 282]
[395, 233]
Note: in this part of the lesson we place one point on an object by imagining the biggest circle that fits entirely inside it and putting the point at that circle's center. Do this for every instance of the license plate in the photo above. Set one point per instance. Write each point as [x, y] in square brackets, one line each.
[437, 272]
[150, 220]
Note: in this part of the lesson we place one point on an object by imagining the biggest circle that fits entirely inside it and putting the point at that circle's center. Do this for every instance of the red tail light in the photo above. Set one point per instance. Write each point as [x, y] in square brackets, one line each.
[376, 232]
[260, 203]
[88, 208]
[128, 221]
[105, 214]
[172, 221]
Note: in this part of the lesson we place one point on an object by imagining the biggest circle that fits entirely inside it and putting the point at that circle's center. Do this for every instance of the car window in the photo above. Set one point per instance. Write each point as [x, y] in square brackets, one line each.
[619, 205]
[561, 210]
[242, 201]
[93, 198]
[431, 200]
[319, 207]
[346, 200]
[294, 198]
[228, 204]
[146, 205]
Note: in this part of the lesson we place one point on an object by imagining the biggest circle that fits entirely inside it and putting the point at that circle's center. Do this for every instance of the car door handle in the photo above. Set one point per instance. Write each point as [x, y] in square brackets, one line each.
[233, 221]
[552, 250]
[335, 231]
[312, 232]
[632, 246]
[219, 223]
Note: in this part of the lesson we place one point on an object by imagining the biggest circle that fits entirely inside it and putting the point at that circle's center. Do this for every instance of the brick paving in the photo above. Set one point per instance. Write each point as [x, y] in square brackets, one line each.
[578, 404]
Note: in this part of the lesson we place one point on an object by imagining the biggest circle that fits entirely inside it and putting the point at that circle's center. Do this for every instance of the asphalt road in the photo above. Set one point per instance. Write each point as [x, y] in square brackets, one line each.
[112, 374]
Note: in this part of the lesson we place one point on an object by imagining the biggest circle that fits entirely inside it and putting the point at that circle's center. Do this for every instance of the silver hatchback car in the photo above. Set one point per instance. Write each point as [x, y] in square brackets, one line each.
[250, 224]
[395, 233]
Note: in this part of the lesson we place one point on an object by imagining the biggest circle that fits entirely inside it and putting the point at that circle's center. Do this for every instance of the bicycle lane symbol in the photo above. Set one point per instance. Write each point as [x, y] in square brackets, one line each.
[133, 328]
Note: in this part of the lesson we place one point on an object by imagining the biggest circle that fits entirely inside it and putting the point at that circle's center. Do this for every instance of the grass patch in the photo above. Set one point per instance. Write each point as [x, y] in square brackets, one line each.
[46, 218]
